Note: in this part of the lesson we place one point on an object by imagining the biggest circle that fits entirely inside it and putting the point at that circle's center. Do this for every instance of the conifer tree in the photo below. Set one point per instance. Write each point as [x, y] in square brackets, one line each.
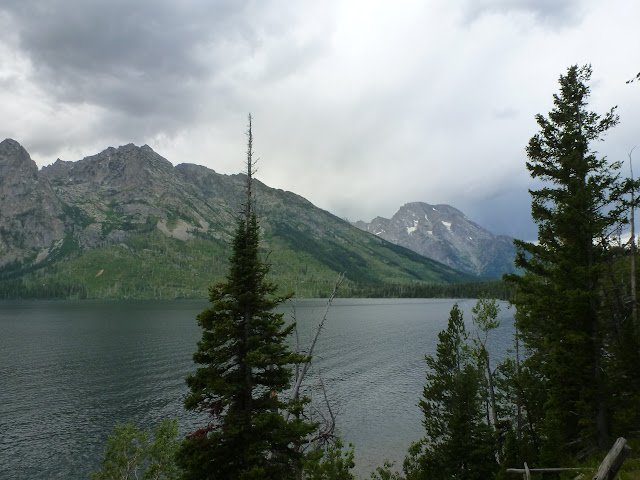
[558, 300]
[458, 443]
[245, 366]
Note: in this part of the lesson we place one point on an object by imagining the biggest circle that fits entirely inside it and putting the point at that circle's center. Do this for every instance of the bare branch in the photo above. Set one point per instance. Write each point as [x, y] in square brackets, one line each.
[303, 370]
[632, 240]
[637, 77]
[327, 432]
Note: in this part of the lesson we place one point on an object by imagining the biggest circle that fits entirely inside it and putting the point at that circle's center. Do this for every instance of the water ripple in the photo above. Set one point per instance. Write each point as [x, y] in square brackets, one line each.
[70, 370]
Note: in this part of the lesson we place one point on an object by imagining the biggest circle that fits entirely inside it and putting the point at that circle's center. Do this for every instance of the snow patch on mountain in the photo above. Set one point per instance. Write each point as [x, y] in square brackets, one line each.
[470, 248]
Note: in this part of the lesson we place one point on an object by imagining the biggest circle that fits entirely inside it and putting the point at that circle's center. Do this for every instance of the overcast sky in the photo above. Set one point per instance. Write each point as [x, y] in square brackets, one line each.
[359, 105]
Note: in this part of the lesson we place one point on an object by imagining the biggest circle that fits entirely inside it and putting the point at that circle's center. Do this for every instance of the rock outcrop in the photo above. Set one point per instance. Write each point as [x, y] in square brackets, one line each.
[30, 213]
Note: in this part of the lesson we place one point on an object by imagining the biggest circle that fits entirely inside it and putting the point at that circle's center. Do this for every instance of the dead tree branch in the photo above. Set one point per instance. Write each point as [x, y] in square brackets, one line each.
[301, 371]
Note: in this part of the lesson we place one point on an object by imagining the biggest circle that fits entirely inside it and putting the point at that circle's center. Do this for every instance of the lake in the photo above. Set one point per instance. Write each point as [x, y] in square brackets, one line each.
[70, 370]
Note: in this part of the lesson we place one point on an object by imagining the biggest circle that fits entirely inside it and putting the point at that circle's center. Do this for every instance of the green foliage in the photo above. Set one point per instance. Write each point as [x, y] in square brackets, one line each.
[129, 453]
[148, 265]
[494, 288]
[385, 472]
[560, 302]
[76, 215]
[631, 467]
[68, 249]
[485, 315]
[161, 452]
[589, 465]
[458, 444]
[331, 463]
[367, 262]
[623, 347]
[244, 373]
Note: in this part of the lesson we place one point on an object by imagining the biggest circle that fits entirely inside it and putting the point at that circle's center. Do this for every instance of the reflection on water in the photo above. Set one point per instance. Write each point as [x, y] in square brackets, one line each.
[70, 370]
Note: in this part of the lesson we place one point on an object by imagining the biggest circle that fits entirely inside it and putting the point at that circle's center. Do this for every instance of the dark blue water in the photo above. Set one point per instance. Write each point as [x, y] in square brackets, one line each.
[70, 370]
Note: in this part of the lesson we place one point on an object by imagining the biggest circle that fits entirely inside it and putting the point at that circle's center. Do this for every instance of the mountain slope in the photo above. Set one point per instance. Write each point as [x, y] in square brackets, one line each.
[29, 209]
[127, 223]
[445, 234]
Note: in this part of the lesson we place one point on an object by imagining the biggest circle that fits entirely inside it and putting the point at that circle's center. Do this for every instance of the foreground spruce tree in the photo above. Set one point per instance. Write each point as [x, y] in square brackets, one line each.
[559, 300]
[245, 365]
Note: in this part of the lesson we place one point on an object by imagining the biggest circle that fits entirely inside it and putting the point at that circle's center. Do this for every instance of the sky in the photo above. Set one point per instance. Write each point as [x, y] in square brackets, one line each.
[360, 106]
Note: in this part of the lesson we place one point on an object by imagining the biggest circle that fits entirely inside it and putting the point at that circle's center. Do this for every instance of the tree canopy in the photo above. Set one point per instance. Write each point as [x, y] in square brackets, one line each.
[245, 366]
[559, 296]
[457, 444]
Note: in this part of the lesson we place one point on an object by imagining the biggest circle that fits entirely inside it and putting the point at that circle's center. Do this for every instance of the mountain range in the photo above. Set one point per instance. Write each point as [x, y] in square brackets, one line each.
[445, 234]
[126, 223]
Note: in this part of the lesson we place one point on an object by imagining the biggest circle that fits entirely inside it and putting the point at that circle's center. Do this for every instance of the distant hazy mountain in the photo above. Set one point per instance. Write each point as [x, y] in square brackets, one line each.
[445, 234]
[127, 223]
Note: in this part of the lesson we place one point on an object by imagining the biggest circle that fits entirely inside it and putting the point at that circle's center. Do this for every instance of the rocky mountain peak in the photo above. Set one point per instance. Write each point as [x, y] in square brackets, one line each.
[445, 234]
[16, 166]
[29, 210]
[421, 218]
[130, 156]
[138, 211]
[126, 167]
[9, 144]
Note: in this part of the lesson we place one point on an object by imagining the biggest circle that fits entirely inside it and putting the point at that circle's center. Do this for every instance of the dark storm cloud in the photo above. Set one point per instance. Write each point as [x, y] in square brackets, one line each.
[505, 212]
[143, 57]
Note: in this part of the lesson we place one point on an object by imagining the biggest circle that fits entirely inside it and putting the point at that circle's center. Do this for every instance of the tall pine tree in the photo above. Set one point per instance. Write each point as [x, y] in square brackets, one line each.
[558, 300]
[245, 366]
[458, 443]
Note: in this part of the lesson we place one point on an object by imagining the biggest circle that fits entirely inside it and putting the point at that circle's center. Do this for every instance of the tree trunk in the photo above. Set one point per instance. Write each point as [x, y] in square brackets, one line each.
[613, 461]
[519, 400]
[634, 299]
[492, 397]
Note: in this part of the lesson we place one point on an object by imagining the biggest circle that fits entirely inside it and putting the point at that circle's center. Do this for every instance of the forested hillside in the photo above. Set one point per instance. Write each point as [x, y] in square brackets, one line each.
[126, 223]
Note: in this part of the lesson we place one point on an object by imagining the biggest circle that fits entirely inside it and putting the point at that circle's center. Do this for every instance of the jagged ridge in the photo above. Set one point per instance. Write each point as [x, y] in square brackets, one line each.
[164, 229]
[445, 234]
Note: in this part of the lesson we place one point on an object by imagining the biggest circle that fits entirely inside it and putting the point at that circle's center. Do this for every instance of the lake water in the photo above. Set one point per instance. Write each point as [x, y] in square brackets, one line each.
[70, 370]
